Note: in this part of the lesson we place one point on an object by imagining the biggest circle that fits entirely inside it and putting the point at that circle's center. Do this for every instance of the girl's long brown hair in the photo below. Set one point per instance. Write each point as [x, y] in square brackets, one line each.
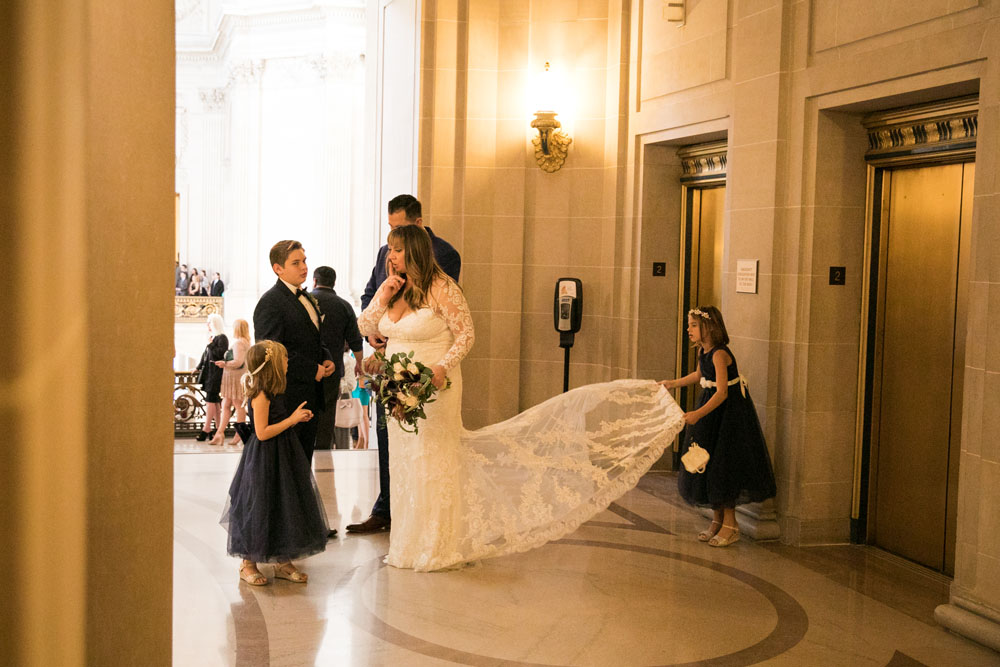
[421, 267]
[271, 378]
[712, 325]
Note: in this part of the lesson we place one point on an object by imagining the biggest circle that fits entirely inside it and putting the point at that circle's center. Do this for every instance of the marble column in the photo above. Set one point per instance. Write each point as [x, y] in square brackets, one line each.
[335, 223]
[245, 255]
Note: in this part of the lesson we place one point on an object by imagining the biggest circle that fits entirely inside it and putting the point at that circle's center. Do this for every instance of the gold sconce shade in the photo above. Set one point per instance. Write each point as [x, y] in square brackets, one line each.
[552, 143]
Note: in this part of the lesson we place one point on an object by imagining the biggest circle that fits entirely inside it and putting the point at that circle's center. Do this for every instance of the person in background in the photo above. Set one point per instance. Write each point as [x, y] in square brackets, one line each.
[194, 284]
[183, 280]
[217, 286]
[232, 372]
[210, 375]
[340, 327]
[363, 394]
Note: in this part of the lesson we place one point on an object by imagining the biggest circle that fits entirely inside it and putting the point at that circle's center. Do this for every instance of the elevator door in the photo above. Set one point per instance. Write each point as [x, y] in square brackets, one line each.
[917, 389]
[703, 270]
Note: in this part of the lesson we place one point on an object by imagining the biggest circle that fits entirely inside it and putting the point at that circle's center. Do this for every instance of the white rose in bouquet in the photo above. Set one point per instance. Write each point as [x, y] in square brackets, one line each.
[413, 368]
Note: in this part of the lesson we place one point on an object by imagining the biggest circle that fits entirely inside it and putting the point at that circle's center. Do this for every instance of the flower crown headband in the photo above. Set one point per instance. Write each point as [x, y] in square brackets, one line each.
[700, 313]
[267, 358]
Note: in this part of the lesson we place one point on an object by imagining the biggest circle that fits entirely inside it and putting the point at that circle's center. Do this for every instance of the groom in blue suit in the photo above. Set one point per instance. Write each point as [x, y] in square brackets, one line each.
[403, 210]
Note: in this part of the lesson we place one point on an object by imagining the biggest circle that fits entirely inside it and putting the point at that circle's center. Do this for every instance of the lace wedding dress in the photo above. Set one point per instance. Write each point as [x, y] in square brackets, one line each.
[460, 496]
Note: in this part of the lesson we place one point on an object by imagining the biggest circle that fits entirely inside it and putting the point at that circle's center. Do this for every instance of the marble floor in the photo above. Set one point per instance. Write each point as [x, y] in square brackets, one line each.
[631, 587]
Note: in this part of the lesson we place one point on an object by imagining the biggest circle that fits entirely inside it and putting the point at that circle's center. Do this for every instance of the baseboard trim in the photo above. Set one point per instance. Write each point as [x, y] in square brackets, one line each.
[966, 618]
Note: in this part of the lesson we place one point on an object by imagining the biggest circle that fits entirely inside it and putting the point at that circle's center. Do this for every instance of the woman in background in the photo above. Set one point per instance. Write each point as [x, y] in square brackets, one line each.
[210, 375]
[232, 392]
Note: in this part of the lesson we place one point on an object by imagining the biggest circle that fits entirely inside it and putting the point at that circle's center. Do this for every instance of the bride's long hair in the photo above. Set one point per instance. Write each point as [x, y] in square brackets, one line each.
[421, 267]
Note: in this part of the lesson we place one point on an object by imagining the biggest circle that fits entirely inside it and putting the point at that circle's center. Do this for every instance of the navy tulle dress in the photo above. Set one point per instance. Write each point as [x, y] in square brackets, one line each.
[739, 467]
[274, 512]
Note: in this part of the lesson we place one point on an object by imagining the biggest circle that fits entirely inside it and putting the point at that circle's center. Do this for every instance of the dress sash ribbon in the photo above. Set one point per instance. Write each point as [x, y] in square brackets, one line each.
[742, 381]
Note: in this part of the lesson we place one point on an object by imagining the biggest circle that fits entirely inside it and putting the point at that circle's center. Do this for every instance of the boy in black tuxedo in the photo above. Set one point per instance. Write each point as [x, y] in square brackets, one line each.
[291, 316]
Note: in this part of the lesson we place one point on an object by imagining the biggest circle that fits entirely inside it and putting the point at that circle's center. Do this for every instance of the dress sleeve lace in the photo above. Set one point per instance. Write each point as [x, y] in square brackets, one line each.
[449, 303]
[368, 322]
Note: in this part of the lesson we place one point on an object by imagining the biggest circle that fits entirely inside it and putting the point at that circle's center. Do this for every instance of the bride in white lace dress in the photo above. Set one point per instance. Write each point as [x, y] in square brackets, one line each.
[460, 496]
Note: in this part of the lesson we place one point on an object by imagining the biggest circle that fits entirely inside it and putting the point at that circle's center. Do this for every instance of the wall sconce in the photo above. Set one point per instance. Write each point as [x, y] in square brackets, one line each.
[675, 11]
[551, 144]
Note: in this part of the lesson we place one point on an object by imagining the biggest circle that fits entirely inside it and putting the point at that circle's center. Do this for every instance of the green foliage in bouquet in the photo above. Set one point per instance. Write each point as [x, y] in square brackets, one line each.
[403, 386]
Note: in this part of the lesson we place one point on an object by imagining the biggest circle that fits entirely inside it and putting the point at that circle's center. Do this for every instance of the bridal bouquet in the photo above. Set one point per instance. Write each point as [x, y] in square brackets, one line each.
[403, 386]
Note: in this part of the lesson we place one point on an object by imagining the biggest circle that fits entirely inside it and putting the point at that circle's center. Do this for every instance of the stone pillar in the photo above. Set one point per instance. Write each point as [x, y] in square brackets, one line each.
[754, 202]
[974, 607]
[86, 475]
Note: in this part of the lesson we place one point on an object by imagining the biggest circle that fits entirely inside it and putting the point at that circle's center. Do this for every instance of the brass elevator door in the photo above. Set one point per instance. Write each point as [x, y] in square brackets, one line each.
[703, 272]
[706, 252]
[917, 386]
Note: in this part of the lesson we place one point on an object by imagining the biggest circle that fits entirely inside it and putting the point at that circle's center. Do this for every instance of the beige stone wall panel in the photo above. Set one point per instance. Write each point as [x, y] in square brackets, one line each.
[989, 445]
[993, 328]
[973, 393]
[444, 10]
[682, 111]
[674, 58]
[839, 22]
[832, 379]
[754, 41]
[482, 101]
[895, 56]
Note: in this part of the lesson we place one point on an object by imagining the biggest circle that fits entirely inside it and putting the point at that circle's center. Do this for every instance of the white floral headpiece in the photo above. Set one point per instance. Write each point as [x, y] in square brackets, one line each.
[267, 358]
[700, 313]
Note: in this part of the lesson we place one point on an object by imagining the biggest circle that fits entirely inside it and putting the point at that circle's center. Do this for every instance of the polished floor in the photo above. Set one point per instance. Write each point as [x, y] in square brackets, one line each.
[632, 587]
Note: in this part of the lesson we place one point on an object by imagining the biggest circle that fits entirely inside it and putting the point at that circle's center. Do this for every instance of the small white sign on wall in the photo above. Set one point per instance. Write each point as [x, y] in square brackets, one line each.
[746, 276]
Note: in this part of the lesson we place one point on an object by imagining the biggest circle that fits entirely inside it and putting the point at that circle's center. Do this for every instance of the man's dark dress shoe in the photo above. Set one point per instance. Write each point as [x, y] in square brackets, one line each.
[332, 534]
[372, 524]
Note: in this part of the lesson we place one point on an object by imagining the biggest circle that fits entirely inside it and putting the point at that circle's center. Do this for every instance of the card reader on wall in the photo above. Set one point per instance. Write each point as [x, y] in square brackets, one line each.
[567, 312]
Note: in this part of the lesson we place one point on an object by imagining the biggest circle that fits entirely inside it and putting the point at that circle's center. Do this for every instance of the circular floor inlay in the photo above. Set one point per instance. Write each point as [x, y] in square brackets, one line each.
[605, 603]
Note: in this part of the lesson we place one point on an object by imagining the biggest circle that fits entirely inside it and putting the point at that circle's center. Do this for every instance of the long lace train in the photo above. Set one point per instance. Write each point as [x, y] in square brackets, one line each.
[536, 477]
[462, 495]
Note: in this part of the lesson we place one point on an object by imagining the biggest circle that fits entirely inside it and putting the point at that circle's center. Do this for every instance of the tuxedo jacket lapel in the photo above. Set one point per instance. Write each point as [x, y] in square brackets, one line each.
[299, 308]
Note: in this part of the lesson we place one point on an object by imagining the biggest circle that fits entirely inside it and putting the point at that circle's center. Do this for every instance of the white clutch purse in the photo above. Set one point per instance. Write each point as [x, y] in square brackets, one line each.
[695, 459]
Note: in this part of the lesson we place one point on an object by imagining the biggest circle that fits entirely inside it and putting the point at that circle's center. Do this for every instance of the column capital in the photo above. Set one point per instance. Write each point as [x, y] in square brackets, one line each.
[214, 99]
[247, 71]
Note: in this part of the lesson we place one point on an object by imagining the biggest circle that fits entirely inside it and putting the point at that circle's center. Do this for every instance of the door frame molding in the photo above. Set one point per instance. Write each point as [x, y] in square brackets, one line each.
[703, 166]
[925, 135]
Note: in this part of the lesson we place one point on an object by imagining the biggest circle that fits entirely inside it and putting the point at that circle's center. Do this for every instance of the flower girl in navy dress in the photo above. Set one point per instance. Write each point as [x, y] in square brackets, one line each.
[274, 513]
[725, 424]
